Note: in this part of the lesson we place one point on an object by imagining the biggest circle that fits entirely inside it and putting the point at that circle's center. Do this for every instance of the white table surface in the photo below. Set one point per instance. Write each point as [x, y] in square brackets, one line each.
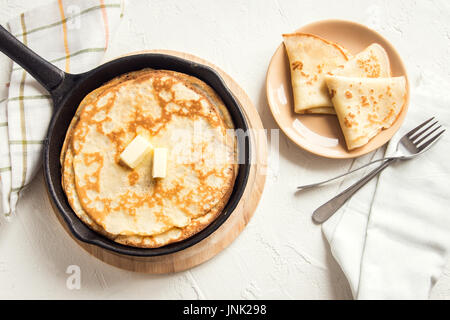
[281, 254]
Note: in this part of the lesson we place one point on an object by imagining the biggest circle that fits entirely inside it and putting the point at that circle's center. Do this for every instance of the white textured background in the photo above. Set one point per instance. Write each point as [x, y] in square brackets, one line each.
[281, 254]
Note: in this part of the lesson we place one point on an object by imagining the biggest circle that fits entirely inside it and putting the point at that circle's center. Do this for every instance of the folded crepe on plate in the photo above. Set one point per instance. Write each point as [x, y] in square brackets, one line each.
[372, 62]
[310, 59]
[365, 106]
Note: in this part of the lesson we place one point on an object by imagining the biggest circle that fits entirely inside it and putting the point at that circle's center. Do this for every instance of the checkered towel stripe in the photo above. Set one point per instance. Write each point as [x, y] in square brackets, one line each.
[73, 35]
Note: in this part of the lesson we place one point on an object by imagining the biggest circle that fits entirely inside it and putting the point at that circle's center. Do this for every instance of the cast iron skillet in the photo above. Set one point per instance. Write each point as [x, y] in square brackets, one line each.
[67, 91]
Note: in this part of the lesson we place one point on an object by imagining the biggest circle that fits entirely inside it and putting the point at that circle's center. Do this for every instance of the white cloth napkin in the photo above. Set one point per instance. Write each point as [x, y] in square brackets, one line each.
[392, 239]
[73, 35]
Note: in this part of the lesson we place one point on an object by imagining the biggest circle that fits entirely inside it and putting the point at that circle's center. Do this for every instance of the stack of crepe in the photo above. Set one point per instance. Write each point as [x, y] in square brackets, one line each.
[327, 79]
[174, 111]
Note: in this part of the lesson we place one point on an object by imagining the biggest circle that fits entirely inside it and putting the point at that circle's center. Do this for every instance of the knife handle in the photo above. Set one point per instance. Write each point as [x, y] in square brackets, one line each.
[325, 211]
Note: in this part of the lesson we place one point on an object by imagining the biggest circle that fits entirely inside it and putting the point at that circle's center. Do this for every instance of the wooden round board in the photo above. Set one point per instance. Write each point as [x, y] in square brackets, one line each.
[234, 225]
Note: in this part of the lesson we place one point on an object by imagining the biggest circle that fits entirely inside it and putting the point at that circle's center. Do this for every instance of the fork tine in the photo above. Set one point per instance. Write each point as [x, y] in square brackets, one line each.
[421, 132]
[416, 143]
[409, 134]
[431, 141]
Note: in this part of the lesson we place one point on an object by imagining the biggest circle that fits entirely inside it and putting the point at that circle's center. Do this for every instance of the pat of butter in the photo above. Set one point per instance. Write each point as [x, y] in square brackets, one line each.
[159, 162]
[136, 151]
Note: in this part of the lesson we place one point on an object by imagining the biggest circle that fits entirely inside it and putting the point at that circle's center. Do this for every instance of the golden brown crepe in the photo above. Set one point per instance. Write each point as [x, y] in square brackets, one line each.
[310, 59]
[372, 62]
[365, 106]
[92, 146]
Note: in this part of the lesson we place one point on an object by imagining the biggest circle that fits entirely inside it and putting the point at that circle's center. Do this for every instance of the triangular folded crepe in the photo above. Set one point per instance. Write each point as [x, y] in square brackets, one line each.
[310, 59]
[365, 106]
[372, 62]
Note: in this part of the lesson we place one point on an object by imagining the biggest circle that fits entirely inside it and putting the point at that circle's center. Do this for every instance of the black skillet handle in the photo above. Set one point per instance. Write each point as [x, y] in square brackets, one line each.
[42, 70]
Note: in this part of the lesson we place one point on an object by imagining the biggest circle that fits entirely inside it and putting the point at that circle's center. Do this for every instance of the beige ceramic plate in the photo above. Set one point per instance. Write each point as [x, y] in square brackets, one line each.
[321, 134]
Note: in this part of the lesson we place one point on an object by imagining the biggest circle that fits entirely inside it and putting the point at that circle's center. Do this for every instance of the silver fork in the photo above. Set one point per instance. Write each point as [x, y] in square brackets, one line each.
[316, 184]
[413, 143]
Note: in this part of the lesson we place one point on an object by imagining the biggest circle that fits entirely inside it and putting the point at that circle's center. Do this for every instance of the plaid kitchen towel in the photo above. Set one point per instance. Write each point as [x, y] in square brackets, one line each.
[73, 35]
